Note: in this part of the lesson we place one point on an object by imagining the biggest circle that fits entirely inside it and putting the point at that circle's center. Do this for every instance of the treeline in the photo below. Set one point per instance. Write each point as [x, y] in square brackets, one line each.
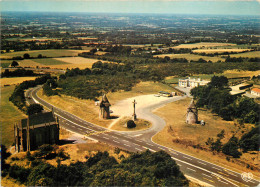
[216, 96]
[18, 73]
[240, 59]
[139, 169]
[18, 98]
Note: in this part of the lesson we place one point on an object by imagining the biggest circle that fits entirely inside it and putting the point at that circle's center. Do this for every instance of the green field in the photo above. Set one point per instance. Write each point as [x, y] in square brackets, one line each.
[251, 54]
[189, 57]
[9, 115]
[49, 61]
[5, 64]
[47, 53]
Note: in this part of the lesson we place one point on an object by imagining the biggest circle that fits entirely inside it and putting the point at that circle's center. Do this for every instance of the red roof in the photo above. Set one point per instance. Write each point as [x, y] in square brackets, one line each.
[256, 90]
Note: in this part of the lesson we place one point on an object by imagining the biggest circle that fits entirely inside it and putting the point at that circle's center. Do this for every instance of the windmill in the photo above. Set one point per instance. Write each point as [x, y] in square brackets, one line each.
[192, 113]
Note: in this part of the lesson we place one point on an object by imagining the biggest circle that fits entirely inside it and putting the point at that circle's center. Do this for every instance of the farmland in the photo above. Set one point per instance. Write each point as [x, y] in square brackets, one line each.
[15, 80]
[251, 54]
[190, 57]
[49, 61]
[74, 62]
[47, 53]
[203, 45]
[220, 50]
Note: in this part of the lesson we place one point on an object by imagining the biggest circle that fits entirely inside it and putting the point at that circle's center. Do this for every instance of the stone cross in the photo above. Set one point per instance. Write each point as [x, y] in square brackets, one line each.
[134, 115]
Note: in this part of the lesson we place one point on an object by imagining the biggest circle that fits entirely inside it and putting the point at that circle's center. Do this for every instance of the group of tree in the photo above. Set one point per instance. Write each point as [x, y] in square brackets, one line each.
[50, 86]
[216, 96]
[18, 97]
[18, 73]
[234, 147]
[101, 169]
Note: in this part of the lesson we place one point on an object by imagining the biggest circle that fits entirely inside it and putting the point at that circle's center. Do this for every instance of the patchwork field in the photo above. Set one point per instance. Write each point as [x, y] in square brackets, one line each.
[219, 50]
[9, 115]
[48, 53]
[14, 80]
[251, 54]
[181, 136]
[75, 62]
[49, 61]
[191, 57]
[203, 45]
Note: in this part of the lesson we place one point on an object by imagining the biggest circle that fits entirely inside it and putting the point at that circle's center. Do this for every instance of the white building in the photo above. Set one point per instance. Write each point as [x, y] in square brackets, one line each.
[192, 82]
[256, 92]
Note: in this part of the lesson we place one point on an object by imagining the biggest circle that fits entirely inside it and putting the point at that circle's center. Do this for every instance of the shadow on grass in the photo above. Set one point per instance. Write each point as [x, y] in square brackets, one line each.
[64, 141]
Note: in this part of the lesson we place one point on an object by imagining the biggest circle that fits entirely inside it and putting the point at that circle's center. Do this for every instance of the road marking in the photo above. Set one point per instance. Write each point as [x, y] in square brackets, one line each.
[202, 163]
[149, 144]
[191, 169]
[97, 132]
[148, 149]
[126, 140]
[127, 145]
[115, 141]
[138, 140]
[114, 137]
[138, 149]
[223, 182]
[104, 137]
[217, 168]
[187, 158]
[138, 135]
[206, 175]
[230, 173]
[208, 180]
[223, 173]
[173, 152]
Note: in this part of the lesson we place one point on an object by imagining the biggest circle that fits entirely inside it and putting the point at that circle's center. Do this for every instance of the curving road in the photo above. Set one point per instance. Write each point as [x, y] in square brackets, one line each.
[206, 172]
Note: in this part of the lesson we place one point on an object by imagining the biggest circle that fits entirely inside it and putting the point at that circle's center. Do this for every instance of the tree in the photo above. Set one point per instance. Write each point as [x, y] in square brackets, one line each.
[44, 151]
[4, 156]
[250, 141]
[131, 124]
[26, 56]
[14, 64]
[218, 82]
[34, 109]
[231, 147]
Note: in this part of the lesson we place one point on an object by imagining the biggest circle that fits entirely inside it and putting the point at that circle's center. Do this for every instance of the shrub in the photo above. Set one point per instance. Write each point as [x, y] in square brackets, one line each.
[131, 124]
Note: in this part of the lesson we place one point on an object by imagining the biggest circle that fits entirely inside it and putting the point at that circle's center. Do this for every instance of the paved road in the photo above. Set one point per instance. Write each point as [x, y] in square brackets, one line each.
[204, 171]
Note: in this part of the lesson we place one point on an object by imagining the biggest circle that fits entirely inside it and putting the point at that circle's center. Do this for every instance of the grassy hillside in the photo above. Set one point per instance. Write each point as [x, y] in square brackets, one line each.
[9, 115]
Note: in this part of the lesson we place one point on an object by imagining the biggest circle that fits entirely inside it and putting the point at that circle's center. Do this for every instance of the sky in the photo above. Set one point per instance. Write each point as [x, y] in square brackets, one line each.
[215, 7]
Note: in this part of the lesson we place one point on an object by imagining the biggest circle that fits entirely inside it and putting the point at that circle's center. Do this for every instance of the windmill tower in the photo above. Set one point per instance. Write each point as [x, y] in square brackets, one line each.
[192, 113]
[104, 108]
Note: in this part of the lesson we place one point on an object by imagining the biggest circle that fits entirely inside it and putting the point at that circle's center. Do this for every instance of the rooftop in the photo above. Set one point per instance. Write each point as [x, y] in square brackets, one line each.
[38, 119]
